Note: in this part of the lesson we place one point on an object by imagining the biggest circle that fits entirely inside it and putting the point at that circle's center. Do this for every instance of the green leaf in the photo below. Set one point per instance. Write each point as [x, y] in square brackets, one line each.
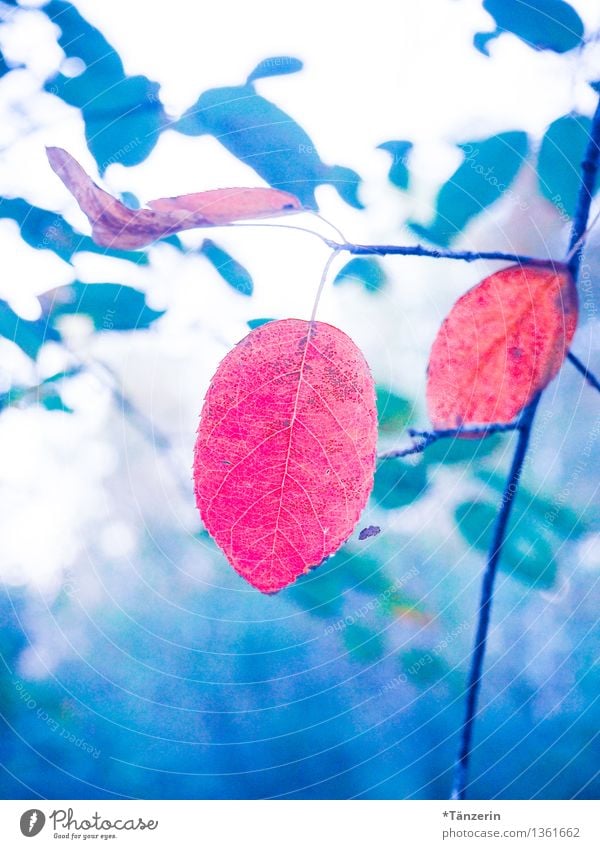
[393, 411]
[527, 553]
[109, 305]
[559, 161]
[230, 269]
[487, 171]
[397, 483]
[364, 270]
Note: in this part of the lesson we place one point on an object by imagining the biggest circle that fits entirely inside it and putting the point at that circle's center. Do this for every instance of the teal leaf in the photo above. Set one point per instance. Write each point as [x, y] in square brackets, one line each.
[363, 270]
[253, 323]
[109, 305]
[230, 269]
[553, 514]
[123, 115]
[451, 451]
[46, 230]
[527, 553]
[487, 171]
[398, 173]
[263, 136]
[542, 24]
[559, 161]
[28, 335]
[397, 483]
[394, 412]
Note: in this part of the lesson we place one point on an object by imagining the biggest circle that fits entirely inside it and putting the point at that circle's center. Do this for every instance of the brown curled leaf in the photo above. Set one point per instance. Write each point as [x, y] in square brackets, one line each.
[115, 225]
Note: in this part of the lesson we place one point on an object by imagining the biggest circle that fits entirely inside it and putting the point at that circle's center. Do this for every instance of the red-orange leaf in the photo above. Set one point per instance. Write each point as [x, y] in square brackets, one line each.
[115, 225]
[502, 342]
[285, 454]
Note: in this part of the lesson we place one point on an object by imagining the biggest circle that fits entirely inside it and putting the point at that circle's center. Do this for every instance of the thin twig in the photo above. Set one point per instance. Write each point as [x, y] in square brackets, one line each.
[459, 785]
[584, 370]
[589, 170]
[466, 256]
[428, 437]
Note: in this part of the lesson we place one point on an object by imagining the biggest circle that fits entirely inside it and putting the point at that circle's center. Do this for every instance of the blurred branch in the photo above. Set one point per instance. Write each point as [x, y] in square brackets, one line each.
[460, 782]
[428, 437]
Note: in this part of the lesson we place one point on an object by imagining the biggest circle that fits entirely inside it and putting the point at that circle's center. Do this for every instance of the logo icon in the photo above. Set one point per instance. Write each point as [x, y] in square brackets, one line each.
[32, 822]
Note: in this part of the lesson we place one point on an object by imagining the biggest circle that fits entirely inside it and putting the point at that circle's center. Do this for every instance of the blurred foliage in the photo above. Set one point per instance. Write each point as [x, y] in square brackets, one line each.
[230, 270]
[363, 270]
[559, 160]
[542, 24]
[267, 139]
[398, 174]
[489, 167]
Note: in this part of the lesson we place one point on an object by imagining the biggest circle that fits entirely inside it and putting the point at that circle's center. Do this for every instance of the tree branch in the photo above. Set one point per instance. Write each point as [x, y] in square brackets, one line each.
[584, 370]
[589, 170]
[428, 437]
[419, 250]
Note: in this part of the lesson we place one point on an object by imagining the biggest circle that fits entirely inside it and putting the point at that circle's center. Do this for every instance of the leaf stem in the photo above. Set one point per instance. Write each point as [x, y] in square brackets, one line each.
[460, 781]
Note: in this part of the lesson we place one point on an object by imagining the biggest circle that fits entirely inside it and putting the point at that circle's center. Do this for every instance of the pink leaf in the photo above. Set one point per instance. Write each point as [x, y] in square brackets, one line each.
[285, 454]
[501, 343]
[115, 225]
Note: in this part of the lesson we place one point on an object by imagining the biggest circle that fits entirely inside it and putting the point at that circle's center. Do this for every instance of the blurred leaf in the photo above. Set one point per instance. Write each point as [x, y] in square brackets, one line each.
[364, 270]
[230, 269]
[267, 139]
[488, 169]
[399, 150]
[393, 412]
[422, 666]
[363, 643]
[109, 305]
[274, 67]
[55, 403]
[28, 335]
[559, 161]
[552, 514]
[123, 115]
[461, 450]
[45, 230]
[527, 553]
[397, 483]
[542, 24]
[258, 322]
